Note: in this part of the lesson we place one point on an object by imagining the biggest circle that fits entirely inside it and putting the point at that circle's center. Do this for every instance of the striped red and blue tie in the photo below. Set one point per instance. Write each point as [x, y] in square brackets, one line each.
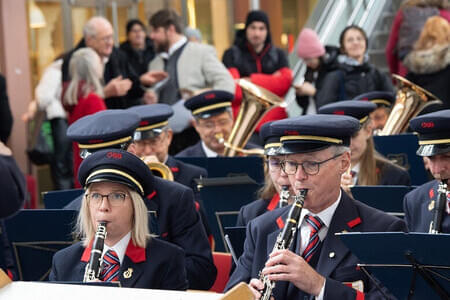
[315, 223]
[111, 266]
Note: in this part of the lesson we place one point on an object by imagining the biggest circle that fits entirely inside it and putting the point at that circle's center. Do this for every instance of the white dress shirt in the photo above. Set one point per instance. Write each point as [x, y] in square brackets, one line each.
[208, 152]
[120, 247]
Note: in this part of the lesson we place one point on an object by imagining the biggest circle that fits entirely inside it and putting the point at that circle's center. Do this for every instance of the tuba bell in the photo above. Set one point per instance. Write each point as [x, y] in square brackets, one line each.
[256, 101]
[411, 99]
[159, 169]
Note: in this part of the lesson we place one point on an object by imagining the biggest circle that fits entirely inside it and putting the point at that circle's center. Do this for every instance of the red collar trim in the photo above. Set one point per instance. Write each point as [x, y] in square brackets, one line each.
[280, 222]
[174, 169]
[354, 222]
[274, 202]
[153, 194]
[87, 252]
[135, 253]
[431, 193]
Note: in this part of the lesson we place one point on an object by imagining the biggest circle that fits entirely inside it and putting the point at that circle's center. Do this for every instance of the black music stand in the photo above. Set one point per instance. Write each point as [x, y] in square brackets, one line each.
[388, 198]
[59, 199]
[236, 236]
[35, 235]
[410, 265]
[401, 149]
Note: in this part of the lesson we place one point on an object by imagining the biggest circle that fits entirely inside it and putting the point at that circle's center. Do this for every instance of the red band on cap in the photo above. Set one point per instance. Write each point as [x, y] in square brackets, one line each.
[339, 112]
[143, 123]
[95, 141]
[114, 155]
[291, 132]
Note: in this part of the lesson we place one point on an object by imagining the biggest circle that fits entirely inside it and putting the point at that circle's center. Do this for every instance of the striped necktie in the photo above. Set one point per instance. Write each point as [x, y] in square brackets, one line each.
[111, 266]
[315, 224]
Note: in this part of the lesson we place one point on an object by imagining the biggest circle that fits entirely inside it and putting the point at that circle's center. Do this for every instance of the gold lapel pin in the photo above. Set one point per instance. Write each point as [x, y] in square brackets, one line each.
[431, 206]
[128, 273]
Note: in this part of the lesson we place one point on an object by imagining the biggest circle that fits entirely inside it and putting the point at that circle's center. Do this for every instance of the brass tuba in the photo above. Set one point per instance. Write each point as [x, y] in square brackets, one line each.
[159, 169]
[256, 101]
[411, 99]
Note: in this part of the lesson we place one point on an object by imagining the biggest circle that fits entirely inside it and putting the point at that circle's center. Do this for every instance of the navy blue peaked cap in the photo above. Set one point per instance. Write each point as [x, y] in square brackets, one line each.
[118, 166]
[314, 132]
[105, 129]
[271, 141]
[357, 109]
[209, 103]
[154, 118]
[380, 98]
[434, 132]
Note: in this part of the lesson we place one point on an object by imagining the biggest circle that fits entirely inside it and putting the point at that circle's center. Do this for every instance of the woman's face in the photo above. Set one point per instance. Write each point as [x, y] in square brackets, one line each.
[312, 63]
[278, 177]
[111, 203]
[354, 44]
[359, 143]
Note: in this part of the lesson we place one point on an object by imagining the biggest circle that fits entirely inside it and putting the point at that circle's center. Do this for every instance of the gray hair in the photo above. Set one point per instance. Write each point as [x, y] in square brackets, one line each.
[90, 28]
[340, 149]
[83, 68]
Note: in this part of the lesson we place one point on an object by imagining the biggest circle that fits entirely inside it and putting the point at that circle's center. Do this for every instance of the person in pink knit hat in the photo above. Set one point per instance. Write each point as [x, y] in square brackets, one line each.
[319, 61]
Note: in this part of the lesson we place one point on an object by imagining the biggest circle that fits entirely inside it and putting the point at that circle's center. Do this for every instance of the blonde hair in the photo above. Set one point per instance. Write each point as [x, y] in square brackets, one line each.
[436, 31]
[268, 190]
[140, 234]
[83, 67]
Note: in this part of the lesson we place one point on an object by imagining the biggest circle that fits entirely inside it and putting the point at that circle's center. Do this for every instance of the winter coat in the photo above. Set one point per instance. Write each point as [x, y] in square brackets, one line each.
[430, 69]
[351, 80]
[138, 60]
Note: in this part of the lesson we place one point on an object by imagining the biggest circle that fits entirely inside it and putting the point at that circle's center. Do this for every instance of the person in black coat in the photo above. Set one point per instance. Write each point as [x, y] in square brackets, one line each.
[116, 182]
[276, 183]
[368, 167]
[355, 74]
[122, 86]
[177, 220]
[420, 205]
[317, 154]
[6, 118]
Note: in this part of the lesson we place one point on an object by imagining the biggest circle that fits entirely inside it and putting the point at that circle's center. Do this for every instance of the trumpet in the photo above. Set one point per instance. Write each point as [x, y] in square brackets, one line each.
[285, 238]
[93, 268]
[435, 225]
[159, 169]
[255, 151]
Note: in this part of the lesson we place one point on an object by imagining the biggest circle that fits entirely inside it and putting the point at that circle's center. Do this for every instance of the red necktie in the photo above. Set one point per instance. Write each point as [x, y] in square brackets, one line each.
[111, 266]
[315, 224]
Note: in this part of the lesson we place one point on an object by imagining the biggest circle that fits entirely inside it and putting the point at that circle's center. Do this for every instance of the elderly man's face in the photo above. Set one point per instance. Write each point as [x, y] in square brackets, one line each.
[209, 129]
[440, 166]
[158, 146]
[103, 41]
[323, 187]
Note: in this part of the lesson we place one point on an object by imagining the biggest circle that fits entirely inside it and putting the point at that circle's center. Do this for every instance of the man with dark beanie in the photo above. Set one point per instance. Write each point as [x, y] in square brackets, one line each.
[254, 56]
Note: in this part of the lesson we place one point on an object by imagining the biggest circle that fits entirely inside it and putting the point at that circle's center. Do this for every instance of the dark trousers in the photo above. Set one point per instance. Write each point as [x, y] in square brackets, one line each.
[61, 165]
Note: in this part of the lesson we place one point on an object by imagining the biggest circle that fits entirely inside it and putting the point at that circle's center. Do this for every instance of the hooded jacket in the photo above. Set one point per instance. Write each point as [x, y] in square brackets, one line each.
[268, 69]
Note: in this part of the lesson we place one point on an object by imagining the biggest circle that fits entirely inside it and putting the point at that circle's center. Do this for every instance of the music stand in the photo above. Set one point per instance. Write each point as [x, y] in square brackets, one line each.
[388, 198]
[35, 235]
[236, 236]
[410, 265]
[226, 219]
[401, 149]
[59, 199]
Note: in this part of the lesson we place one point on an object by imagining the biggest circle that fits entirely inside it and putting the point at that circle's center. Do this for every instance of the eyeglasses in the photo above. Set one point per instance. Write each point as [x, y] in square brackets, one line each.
[114, 199]
[273, 164]
[290, 167]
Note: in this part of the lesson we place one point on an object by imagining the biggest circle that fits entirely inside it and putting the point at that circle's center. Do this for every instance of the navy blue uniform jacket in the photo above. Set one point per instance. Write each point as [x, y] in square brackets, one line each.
[419, 205]
[179, 223]
[350, 215]
[158, 266]
[391, 174]
[256, 208]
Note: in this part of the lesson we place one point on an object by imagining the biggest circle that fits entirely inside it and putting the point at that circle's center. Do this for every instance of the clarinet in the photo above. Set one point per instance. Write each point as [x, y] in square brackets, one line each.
[284, 239]
[435, 225]
[92, 271]
[284, 196]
